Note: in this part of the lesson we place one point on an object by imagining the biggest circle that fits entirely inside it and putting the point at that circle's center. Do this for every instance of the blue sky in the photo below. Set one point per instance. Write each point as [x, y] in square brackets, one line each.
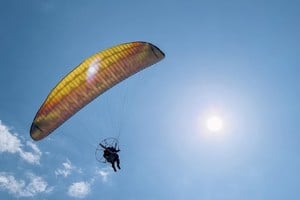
[238, 60]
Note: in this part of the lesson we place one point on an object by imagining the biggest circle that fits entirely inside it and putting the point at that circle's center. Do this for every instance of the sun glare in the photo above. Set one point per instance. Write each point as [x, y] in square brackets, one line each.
[214, 124]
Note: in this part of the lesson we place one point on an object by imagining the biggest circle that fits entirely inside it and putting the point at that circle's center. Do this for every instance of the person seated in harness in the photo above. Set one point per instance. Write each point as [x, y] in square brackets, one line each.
[111, 155]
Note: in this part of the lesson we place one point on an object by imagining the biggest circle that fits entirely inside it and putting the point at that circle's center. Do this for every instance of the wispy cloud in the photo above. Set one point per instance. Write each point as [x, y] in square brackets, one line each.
[20, 188]
[65, 170]
[79, 189]
[32, 157]
[10, 143]
[103, 173]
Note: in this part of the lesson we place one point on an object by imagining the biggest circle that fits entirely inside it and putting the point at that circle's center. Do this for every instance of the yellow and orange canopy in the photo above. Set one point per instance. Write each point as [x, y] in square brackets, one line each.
[88, 80]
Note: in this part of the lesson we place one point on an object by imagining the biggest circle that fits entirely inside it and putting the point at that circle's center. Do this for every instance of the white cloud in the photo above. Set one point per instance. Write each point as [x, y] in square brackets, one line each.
[103, 173]
[83, 188]
[34, 147]
[10, 143]
[79, 189]
[31, 157]
[65, 170]
[19, 188]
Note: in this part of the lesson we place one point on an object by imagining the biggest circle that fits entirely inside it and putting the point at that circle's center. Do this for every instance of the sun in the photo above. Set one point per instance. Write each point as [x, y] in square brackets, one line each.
[214, 123]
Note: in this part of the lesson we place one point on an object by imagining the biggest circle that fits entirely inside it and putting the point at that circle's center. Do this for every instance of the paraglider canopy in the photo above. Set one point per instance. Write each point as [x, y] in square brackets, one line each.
[88, 80]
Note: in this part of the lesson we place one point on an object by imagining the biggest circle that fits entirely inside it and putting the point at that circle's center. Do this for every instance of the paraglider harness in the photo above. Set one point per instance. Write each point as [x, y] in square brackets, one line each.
[110, 151]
